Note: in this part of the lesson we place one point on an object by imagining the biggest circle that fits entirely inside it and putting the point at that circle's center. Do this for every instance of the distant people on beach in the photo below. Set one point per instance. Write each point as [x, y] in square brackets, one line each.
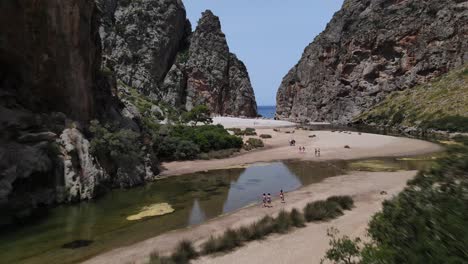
[282, 196]
[317, 152]
[269, 200]
[264, 200]
[302, 149]
[292, 142]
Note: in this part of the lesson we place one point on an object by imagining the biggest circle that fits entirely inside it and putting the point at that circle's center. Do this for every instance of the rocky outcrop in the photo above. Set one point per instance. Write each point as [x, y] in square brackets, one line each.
[82, 173]
[369, 49]
[150, 46]
[215, 77]
[141, 40]
[50, 78]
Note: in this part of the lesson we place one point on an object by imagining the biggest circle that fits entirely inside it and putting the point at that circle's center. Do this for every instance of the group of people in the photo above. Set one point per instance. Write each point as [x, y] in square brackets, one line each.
[317, 152]
[292, 142]
[267, 199]
[302, 149]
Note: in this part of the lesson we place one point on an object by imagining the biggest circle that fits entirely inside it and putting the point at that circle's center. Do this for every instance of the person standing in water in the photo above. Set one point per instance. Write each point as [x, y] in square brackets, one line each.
[282, 196]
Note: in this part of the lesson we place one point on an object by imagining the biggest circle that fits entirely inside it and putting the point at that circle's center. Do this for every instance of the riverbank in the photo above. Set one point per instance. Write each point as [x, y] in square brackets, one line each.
[307, 245]
[331, 144]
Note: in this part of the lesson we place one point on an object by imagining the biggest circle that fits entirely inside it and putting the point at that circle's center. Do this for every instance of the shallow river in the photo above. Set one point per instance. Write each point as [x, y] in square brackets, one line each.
[196, 198]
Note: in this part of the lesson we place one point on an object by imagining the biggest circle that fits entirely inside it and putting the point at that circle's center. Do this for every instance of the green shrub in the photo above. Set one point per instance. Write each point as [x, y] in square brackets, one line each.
[456, 123]
[199, 114]
[173, 148]
[155, 258]
[246, 132]
[297, 219]
[264, 227]
[208, 138]
[343, 250]
[229, 241]
[265, 136]
[253, 143]
[184, 252]
[250, 132]
[282, 222]
[121, 147]
[210, 246]
[345, 202]
[247, 233]
[425, 223]
[322, 210]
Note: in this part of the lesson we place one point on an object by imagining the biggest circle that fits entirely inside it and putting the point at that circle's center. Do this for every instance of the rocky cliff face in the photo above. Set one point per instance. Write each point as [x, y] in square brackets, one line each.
[369, 49]
[215, 77]
[50, 55]
[51, 86]
[150, 46]
[142, 38]
[55, 81]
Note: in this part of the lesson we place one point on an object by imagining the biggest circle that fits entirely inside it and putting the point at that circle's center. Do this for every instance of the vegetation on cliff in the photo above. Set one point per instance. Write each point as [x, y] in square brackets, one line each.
[440, 105]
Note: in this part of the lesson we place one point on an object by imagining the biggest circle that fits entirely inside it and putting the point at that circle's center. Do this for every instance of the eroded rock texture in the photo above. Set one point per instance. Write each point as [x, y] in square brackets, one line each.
[151, 47]
[369, 49]
[142, 38]
[215, 77]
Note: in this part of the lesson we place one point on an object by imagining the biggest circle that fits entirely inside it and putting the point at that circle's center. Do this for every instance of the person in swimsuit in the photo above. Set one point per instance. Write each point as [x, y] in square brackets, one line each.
[282, 196]
[264, 200]
[269, 200]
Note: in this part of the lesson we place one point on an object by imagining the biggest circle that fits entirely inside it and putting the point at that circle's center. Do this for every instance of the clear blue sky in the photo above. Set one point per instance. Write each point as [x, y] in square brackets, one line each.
[268, 35]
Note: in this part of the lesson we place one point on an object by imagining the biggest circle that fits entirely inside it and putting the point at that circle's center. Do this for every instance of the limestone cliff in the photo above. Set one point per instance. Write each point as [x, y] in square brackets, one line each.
[51, 86]
[151, 47]
[215, 77]
[369, 49]
[75, 118]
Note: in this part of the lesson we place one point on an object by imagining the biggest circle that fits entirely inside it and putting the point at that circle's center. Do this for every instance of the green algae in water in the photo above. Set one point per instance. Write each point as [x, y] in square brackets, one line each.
[374, 166]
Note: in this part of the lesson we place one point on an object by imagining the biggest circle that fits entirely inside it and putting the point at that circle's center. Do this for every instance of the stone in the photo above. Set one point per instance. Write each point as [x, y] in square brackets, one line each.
[215, 76]
[82, 173]
[369, 49]
[150, 46]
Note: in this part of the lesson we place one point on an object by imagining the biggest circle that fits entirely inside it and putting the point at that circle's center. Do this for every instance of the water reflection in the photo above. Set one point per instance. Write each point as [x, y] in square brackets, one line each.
[195, 198]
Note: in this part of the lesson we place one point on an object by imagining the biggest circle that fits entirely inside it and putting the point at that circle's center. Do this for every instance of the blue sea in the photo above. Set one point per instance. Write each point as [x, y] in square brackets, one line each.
[267, 111]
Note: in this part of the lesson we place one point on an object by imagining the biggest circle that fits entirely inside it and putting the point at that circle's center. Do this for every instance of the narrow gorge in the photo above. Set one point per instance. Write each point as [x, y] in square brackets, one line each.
[84, 85]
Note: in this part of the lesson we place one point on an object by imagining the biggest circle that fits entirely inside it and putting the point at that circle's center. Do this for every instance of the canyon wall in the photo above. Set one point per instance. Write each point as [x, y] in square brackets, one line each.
[369, 49]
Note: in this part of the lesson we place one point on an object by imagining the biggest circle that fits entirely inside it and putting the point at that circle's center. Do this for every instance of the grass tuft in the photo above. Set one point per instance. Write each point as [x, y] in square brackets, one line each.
[322, 210]
[345, 202]
[297, 218]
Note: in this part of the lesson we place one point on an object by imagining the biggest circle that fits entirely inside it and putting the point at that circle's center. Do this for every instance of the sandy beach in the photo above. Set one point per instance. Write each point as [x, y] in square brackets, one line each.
[307, 245]
[331, 144]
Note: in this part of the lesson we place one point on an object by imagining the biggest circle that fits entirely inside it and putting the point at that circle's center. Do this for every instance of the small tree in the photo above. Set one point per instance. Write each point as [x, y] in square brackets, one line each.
[343, 250]
[199, 114]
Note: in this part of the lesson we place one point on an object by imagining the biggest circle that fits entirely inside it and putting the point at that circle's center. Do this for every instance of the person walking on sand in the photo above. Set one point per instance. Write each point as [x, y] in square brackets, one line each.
[315, 152]
[303, 149]
[264, 200]
[282, 196]
[269, 200]
[318, 152]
